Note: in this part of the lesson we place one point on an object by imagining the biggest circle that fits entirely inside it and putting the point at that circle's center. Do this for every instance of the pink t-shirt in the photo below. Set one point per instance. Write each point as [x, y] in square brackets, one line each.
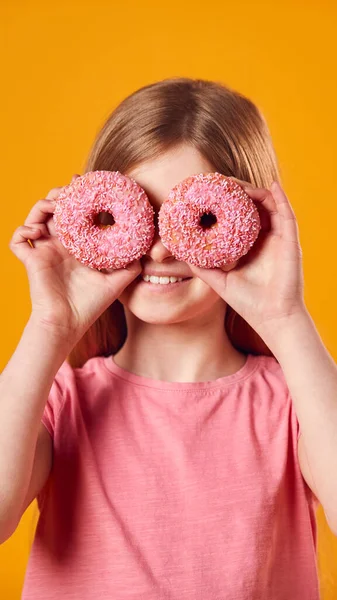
[175, 491]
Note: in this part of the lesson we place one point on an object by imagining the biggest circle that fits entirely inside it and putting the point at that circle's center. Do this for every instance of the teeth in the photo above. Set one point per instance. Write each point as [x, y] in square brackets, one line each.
[161, 280]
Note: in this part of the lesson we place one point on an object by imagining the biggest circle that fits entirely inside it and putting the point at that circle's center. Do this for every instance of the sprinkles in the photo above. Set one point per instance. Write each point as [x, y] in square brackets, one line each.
[209, 221]
[109, 246]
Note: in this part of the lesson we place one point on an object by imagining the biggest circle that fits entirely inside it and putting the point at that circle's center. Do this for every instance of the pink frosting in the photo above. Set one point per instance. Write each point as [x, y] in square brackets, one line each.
[111, 247]
[236, 228]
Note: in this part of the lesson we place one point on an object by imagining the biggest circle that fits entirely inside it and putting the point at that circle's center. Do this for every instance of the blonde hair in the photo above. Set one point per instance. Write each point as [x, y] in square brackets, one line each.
[224, 126]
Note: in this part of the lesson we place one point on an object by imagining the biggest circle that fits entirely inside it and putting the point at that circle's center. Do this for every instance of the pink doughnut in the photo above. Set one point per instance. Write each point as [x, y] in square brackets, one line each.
[103, 246]
[208, 220]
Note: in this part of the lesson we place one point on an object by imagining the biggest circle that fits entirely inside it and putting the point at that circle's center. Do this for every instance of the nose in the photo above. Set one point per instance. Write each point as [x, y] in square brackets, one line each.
[157, 252]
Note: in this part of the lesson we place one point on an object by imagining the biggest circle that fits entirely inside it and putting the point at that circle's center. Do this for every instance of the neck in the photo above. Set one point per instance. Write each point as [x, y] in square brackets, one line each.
[189, 351]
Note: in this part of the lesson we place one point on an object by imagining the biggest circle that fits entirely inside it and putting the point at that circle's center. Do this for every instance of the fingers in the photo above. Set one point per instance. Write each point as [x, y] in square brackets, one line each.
[43, 210]
[266, 205]
[120, 279]
[262, 196]
[38, 223]
[131, 270]
[40, 212]
[18, 243]
[215, 278]
[229, 266]
[24, 232]
[243, 183]
[45, 207]
[54, 193]
[288, 221]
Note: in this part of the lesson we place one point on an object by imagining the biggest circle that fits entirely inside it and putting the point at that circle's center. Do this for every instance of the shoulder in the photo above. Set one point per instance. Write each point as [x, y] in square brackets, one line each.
[92, 369]
[268, 372]
[270, 396]
[74, 387]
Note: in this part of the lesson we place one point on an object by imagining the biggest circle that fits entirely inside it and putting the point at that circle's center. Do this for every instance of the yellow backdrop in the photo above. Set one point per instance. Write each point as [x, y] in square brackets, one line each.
[70, 62]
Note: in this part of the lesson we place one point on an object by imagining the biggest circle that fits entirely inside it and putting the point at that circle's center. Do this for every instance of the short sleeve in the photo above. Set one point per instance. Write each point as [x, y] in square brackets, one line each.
[56, 397]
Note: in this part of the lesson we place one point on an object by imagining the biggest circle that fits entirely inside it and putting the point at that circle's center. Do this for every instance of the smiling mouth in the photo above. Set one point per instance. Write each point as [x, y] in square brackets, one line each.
[162, 280]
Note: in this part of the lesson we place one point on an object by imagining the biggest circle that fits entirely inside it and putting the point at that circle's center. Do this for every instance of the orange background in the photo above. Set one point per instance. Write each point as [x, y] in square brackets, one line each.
[67, 66]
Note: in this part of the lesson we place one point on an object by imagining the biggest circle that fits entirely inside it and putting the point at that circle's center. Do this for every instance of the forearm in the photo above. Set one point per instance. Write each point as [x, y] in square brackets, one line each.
[311, 376]
[24, 386]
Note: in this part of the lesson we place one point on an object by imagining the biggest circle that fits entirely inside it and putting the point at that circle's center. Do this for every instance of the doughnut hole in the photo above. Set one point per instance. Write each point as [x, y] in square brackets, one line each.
[207, 220]
[104, 219]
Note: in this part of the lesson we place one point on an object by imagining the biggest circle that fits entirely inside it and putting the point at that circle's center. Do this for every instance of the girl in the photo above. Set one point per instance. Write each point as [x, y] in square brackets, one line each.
[178, 437]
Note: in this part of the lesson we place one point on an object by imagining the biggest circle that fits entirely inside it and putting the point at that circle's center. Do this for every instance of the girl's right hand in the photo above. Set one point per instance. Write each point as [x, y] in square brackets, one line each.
[66, 295]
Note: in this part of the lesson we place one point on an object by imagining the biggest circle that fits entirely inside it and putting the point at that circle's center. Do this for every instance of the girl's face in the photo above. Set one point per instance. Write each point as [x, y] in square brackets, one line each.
[173, 302]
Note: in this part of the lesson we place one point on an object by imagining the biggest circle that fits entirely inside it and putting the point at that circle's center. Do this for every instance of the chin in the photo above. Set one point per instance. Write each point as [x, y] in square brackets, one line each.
[161, 310]
[158, 319]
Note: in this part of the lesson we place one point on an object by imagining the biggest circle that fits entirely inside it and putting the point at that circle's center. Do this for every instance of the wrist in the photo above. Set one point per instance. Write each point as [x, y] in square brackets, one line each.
[279, 333]
[53, 334]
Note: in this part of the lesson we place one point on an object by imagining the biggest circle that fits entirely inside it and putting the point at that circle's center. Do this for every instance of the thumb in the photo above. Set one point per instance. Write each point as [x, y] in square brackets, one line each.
[119, 279]
[132, 269]
[215, 278]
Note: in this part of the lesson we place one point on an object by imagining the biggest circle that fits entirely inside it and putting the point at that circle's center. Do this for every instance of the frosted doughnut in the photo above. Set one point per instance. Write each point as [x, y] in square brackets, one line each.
[94, 245]
[208, 220]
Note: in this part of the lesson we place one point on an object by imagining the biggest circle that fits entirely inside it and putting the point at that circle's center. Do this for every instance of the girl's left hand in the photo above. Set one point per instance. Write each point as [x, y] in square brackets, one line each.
[265, 285]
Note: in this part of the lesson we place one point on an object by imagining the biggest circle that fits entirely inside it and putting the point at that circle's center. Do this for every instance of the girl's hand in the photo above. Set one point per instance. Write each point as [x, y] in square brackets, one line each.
[66, 295]
[266, 284]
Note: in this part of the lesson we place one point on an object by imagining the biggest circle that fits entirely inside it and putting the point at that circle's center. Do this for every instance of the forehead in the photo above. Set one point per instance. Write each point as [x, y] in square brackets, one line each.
[158, 176]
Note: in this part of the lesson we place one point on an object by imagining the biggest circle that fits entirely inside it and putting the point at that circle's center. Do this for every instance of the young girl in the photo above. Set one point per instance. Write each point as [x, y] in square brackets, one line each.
[178, 437]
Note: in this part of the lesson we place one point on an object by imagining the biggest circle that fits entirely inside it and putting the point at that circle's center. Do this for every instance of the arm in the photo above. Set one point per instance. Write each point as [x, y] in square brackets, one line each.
[267, 291]
[24, 386]
[311, 376]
